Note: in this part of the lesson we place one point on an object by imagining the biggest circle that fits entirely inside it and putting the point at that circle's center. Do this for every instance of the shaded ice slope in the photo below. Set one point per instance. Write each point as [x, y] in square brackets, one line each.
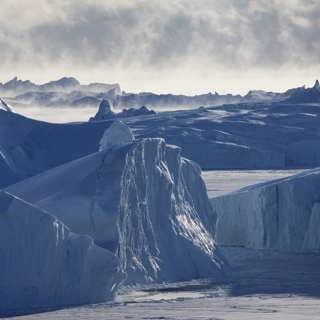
[28, 147]
[243, 136]
[282, 214]
[4, 106]
[143, 201]
[44, 265]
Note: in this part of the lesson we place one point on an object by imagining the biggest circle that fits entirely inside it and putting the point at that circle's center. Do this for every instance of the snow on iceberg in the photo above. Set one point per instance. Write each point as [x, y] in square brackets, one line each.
[44, 265]
[143, 201]
[282, 214]
[117, 135]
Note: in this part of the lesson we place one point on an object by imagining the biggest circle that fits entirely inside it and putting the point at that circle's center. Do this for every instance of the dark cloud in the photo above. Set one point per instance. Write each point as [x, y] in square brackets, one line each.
[161, 35]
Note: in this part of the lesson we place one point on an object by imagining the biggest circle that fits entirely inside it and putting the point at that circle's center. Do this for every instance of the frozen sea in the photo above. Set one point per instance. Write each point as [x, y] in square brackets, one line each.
[220, 182]
[261, 285]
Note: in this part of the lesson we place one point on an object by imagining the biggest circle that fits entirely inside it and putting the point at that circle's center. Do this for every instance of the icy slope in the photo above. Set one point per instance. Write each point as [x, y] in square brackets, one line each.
[28, 147]
[44, 265]
[4, 106]
[143, 201]
[283, 214]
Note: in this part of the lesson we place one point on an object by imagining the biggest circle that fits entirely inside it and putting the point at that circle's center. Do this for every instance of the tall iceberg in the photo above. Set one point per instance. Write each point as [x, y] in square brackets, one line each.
[142, 201]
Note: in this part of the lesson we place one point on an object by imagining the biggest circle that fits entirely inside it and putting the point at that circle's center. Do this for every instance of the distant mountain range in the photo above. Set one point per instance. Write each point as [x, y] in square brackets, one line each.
[16, 86]
[68, 91]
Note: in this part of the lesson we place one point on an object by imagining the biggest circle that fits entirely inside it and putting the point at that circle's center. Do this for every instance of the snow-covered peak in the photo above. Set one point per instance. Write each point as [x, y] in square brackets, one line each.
[316, 85]
[118, 134]
[4, 106]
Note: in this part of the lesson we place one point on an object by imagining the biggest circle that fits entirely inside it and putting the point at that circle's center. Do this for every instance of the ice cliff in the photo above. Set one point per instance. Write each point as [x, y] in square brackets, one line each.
[282, 214]
[142, 201]
[44, 265]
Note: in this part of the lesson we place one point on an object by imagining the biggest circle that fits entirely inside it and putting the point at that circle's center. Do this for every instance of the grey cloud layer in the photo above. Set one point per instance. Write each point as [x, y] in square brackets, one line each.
[161, 34]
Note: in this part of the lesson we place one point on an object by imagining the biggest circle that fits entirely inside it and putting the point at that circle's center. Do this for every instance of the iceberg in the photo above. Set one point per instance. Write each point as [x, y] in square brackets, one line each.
[281, 215]
[44, 265]
[142, 201]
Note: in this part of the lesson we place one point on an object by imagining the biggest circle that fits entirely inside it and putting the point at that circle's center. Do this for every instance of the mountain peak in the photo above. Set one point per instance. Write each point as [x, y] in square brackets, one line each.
[63, 82]
[316, 85]
[105, 106]
[14, 79]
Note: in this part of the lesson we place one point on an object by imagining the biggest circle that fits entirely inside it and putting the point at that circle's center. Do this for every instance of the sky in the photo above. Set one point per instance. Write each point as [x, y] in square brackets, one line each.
[178, 46]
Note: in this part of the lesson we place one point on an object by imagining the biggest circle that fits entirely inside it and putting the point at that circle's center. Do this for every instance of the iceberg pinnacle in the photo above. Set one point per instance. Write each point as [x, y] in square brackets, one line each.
[104, 111]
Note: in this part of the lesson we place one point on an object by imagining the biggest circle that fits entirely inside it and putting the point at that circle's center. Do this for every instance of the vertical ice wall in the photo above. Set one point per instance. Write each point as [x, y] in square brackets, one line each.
[281, 214]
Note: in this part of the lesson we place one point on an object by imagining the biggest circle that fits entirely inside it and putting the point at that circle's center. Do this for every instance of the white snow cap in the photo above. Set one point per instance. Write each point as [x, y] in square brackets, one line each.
[118, 134]
[4, 106]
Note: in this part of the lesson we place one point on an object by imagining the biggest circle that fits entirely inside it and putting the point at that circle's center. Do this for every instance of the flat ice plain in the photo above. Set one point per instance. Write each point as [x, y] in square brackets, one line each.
[220, 182]
[275, 286]
[263, 285]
